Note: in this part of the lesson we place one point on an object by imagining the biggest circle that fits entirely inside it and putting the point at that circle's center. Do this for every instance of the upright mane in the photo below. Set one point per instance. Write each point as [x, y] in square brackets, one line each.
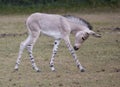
[78, 20]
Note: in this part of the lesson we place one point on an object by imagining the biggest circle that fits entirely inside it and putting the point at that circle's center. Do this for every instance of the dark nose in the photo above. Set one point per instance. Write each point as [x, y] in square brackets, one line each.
[75, 48]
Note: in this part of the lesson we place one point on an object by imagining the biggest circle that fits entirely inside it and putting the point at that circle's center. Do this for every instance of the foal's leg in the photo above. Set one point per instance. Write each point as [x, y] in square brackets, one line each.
[34, 36]
[28, 43]
[55, 48]
[29, 48]
[22, 47]
[67, 41]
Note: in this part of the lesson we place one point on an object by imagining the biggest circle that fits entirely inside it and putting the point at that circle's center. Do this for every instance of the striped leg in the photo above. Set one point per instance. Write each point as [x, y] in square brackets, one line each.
[28, 43]
[34, 37]
[29, 48]
[67, 41]
[55, 48]
[22, 47]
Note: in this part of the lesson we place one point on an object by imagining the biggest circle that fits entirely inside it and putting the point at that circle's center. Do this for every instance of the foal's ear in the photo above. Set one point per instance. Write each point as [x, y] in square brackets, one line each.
[95, 34]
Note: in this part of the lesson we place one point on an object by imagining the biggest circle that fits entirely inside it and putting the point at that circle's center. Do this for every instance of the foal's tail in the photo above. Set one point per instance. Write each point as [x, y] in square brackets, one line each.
[94, 34]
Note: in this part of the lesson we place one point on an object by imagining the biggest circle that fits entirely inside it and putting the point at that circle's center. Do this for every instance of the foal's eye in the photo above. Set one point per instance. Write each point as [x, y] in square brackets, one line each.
[83, 38]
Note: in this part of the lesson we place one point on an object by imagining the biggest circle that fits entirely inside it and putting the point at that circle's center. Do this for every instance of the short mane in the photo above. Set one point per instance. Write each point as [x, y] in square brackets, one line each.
[78, 20]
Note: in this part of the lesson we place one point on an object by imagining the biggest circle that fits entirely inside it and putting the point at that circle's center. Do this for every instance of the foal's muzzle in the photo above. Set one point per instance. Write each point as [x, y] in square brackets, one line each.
[76, 48]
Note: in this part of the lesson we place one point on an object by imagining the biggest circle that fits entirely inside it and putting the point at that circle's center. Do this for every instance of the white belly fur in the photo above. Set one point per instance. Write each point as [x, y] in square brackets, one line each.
[56, 35]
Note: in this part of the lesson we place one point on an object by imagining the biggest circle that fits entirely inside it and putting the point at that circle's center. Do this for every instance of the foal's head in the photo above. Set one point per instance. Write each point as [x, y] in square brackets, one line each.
[81, 35]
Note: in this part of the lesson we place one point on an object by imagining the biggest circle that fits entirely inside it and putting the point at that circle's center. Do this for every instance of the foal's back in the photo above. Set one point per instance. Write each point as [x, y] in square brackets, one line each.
[49, 24]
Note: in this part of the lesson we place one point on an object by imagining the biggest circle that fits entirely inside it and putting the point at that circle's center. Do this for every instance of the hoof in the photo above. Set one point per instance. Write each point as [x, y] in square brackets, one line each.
[53, 69]
[16, 69]
[82, 70]
[38, 70]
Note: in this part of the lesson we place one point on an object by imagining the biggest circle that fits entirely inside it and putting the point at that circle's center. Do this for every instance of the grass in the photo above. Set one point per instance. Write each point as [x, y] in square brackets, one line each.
[100, 57]
[57, 7]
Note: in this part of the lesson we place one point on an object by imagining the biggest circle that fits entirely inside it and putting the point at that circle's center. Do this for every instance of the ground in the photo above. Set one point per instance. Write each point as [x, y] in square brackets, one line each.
[100, 57]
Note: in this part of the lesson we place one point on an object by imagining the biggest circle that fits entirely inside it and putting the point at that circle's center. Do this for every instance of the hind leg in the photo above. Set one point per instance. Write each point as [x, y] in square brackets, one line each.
[34, 37]
[28, 43]
[22, 47]
[30, 48]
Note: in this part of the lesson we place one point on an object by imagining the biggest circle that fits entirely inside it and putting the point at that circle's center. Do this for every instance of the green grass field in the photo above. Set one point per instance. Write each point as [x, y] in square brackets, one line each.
[100, 56]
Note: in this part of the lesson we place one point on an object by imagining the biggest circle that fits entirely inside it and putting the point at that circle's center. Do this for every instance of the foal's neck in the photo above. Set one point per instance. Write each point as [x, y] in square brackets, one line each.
[76, 29]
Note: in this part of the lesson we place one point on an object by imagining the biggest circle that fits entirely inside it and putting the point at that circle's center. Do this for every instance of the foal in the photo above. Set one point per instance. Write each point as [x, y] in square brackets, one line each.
[59, 27]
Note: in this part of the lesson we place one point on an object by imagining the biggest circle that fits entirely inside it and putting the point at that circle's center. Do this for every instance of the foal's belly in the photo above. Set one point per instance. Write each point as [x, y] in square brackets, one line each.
[56, 35]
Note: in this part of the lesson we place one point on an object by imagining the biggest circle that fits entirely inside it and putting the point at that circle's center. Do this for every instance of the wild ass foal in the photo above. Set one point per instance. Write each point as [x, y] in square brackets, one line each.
[59, 27]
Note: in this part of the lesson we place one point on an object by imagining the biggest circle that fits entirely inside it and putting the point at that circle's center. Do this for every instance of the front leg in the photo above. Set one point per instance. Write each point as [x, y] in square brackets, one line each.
[67, 41]
[55, 48]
